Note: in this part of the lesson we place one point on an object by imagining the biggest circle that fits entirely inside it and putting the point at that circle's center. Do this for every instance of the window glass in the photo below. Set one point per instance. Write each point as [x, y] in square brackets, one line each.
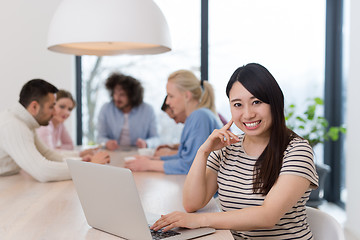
[183, 17]
[287, 37]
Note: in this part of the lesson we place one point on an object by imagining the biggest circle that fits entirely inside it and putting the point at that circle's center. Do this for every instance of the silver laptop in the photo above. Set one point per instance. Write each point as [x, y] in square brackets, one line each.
[111, 203]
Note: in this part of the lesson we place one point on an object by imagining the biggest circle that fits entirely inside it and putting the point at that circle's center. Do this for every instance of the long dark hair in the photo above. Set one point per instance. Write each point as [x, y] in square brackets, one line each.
[262, 85]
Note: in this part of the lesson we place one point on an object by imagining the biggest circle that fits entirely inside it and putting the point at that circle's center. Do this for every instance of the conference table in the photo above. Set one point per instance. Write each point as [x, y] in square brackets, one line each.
[34, 210]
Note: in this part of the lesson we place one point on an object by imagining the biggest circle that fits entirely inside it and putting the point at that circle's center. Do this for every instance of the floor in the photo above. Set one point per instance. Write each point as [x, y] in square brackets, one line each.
[339, 214]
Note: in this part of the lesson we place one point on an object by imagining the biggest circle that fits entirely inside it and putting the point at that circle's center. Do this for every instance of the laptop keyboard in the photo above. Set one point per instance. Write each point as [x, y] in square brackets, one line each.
[159, 234]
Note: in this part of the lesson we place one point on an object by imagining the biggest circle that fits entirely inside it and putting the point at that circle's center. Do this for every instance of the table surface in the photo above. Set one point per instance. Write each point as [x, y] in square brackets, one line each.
[34, 210]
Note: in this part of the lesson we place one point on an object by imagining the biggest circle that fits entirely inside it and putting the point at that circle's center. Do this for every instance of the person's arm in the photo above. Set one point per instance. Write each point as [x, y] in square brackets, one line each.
[165, 151]
[65, 139]
[100, 157]
[200, 184]
[197, 129]
[287, 190]
[145, 163]
[52, 154]
[169, 146]
[295, 178]
[170, 157]
[18, 142]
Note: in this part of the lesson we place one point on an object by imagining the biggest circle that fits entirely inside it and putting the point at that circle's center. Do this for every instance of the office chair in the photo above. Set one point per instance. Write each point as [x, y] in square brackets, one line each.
[323, 225]
[316, 196]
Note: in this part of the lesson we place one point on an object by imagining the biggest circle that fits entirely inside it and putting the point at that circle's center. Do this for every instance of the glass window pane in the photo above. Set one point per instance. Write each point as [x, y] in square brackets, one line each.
[287, 37]
[183, 17]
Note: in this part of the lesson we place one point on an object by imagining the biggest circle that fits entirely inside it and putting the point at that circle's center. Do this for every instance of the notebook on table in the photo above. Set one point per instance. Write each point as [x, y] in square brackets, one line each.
[111, 203]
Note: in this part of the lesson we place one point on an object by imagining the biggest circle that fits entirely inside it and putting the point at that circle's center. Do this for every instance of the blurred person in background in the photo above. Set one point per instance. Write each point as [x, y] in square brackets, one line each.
[55, 135]
[126, 119]
[184, 95]
[21, 147]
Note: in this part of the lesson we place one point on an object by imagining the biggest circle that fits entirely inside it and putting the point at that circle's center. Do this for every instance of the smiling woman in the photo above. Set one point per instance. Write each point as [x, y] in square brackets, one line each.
[263, 177]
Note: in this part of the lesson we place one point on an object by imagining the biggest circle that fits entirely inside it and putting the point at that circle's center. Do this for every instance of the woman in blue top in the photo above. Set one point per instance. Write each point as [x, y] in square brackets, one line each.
[185, 95]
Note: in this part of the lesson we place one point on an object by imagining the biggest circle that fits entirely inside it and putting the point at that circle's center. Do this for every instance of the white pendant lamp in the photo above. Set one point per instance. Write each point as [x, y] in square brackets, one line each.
[108, 27]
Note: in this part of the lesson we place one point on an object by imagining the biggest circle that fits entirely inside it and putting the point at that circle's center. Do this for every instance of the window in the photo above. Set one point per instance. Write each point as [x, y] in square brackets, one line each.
[183, 17]
[287, 37]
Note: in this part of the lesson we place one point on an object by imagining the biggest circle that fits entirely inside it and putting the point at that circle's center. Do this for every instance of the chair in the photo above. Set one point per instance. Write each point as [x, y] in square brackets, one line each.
[323, 225]
[316, 196]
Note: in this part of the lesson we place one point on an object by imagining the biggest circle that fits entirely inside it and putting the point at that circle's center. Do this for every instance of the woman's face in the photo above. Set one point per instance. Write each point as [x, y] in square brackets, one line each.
[249, 113]
[63, 108]
[176, 98]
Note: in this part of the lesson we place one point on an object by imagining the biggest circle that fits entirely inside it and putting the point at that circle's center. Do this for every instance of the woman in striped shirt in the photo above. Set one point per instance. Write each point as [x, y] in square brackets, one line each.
[264, 176]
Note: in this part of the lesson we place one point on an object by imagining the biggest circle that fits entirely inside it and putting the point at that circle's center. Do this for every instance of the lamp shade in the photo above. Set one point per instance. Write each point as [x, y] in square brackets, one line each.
[108, 27]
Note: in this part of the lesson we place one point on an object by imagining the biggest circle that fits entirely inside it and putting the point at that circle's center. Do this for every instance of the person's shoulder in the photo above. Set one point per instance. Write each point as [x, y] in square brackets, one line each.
[9, 122]
[298, 143]
[202, 113]
[7, 117]
[108, 106]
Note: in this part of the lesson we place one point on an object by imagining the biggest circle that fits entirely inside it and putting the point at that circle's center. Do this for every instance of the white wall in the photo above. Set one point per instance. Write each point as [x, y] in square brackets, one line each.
[23, 54]
[353, 127]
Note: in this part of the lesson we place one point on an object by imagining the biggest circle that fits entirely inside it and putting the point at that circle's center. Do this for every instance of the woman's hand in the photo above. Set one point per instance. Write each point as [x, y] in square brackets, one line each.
[145, 163]
[219, 139]
[178, 219]
[139, 164]
[90, 151]
[101, 157]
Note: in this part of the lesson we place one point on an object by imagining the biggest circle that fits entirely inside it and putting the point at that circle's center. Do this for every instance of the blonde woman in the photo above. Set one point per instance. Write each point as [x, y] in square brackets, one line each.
[185, 94]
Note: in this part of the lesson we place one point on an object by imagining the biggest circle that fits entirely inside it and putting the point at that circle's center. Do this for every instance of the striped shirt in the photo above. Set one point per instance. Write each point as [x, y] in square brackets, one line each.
[235, 171]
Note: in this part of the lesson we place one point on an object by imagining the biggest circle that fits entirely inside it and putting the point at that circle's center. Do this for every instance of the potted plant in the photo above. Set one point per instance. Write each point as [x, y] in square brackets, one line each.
[313, 127]
[310, 124]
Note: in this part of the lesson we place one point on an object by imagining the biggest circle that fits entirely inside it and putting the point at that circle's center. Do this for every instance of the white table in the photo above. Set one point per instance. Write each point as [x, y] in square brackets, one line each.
[34, 210]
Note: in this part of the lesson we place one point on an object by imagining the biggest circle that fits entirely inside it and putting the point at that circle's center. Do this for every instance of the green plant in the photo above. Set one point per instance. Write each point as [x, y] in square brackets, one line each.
[310, 124]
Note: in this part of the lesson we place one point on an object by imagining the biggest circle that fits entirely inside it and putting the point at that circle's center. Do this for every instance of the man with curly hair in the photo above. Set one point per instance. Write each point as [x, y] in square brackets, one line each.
[126, 119]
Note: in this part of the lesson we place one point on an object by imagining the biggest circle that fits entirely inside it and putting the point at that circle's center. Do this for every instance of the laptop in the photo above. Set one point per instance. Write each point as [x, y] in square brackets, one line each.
[110, 201]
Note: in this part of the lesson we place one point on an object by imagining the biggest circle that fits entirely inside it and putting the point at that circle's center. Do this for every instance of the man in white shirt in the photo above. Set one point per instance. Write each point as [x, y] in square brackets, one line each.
[20, 147]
